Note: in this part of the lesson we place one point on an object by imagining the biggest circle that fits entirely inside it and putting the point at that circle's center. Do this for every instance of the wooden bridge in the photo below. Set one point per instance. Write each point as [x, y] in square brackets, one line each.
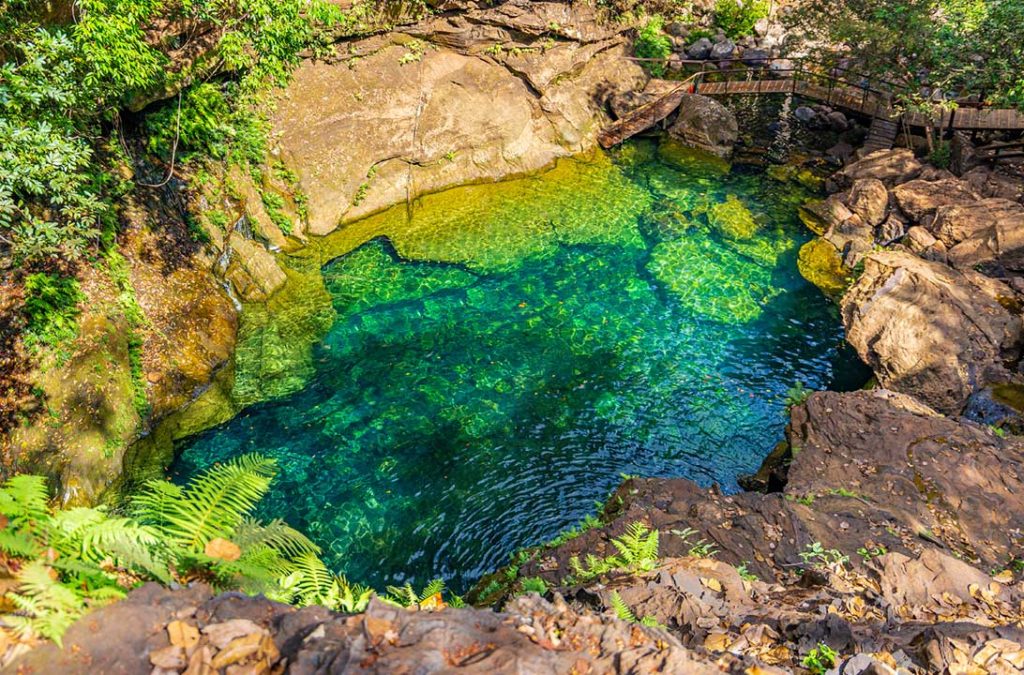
[874, 98]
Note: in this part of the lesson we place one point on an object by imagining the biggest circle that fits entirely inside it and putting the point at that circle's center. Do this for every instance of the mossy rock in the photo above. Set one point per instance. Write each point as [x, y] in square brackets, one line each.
[820, 263]
[732, 219]
[677, 155]
[781, 172]
[809, 179]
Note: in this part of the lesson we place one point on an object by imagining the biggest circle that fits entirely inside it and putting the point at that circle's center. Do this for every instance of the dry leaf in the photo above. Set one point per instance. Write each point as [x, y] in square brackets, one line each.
[182, 634]
[222, 549]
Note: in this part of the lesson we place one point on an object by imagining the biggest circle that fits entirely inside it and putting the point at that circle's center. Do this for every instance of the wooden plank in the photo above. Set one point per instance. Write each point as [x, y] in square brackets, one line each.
[642, 118]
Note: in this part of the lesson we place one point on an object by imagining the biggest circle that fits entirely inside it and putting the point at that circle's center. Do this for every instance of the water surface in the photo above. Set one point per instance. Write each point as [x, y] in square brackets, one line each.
[502, 354]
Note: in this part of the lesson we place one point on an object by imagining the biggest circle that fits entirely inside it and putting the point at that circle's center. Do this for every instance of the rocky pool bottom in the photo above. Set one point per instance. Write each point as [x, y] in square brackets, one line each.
[499, 356]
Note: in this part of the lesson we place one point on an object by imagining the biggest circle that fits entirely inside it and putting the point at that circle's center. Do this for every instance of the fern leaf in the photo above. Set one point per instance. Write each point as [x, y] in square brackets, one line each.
[622, 610]
[430, 590]
[276, 534]
[19, 544]
[212, 505]
[24, 499]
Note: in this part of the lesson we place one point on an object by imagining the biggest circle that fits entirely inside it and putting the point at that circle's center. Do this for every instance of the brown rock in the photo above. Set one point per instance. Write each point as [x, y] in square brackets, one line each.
[891, 167]
[705, 124]
[982, 232]
[869, 199]
[919, 199]
[928, 330]
[221, 634]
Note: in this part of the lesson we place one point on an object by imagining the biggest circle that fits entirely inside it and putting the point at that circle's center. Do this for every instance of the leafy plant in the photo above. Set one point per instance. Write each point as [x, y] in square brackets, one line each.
[820, 659]
[69, 560]
[624, 613]
[745, 573]
[406, 596]
[51, 308]
[652, 43]
[637, 552]
[533, 585]
[816, 555]
[701, 548]
[736, 18]
[869, 551]
[797, 395]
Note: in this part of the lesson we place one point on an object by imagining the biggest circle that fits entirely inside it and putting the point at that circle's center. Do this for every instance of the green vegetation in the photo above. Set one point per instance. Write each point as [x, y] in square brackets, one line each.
[736, 18]
[871, 551]
[637, 552]
[817, 556]
[797, 395]
[963, 45]
[652, 43]
[66, 561]
[745, 573]
[699, 549]
[821, 659]
[624, 613]
[51, 308]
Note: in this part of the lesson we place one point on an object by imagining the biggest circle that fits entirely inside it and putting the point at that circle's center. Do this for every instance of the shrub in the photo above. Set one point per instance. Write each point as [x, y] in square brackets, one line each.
[736, 18]
[652, 43]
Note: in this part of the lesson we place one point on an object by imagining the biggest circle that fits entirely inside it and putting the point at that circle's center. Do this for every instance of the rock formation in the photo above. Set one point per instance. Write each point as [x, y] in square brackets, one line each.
[705, 124]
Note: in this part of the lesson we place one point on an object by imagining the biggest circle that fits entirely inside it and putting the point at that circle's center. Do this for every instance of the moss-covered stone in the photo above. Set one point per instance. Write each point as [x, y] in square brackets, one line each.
[820, 263]
[732, 219]
[680, 156]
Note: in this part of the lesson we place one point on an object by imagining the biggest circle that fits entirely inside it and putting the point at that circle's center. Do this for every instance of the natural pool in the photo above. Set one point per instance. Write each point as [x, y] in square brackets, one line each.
[507, 351]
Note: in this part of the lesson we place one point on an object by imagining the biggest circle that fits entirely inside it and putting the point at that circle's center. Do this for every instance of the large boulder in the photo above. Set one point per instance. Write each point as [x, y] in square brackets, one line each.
[389, 120]
[892, 167]
[928, 330]
[988, 231]
[919, 199]
[723, 50]
[705, 124]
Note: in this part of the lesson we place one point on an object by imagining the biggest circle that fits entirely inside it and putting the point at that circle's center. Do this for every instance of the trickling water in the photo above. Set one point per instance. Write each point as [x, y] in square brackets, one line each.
[508, 351]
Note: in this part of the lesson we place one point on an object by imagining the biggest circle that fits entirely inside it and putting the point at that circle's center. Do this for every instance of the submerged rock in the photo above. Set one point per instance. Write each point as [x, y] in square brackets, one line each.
[821, 264]
[706, 124]
[732, 219]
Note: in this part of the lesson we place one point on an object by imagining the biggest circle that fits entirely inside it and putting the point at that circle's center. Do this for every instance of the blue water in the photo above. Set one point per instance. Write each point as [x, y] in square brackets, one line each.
[552, 334]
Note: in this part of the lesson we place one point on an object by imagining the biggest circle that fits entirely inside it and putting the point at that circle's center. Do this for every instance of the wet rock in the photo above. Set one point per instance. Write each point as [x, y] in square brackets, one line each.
[705, 124]
[700, 49]
[928, 330]
[892, 167]
[805, 114]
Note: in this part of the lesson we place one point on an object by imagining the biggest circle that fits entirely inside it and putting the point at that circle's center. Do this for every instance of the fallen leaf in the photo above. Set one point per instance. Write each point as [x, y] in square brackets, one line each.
[222, 549]
[168, 658]
[237, 650]
[182, 634]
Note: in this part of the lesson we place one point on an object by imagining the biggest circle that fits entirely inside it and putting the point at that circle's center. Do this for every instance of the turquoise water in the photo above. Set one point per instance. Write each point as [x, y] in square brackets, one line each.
[537, 340]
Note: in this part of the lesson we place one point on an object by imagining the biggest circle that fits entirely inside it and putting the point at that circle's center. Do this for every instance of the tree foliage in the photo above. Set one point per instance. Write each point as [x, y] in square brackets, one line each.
[65, 79]
[958, 46]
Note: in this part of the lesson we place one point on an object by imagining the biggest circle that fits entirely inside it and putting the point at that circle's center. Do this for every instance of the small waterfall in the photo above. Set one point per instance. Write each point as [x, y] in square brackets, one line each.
[778, 150]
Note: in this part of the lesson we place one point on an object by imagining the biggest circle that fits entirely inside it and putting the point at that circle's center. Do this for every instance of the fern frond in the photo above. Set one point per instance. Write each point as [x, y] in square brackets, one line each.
[404, 596]
[19, 544]
[212, 505]
[276, 534]
[45, 606]
[24, 499]
[309, 582]
[622, 610]
[430, 590]
[346, 597]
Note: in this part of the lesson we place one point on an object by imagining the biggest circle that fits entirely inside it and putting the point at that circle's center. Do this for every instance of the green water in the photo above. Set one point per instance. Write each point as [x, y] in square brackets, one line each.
[499, 355]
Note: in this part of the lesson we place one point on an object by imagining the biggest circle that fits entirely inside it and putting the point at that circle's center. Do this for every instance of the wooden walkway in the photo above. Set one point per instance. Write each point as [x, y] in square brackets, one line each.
[877, 103]
[873, 104]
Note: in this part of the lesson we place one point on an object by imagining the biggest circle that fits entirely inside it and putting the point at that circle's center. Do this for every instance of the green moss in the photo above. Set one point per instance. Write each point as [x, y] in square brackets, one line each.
[697, 162]
[732, 219]
[820, 263]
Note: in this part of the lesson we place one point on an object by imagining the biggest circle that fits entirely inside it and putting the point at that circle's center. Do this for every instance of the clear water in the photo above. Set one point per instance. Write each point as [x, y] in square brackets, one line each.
[506, 352]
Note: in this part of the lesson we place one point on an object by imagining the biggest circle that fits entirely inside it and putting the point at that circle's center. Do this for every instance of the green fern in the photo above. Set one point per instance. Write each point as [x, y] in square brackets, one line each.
[622, 610]
[213, 504]
[638, 548]
[624, 613]
[406, 596]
